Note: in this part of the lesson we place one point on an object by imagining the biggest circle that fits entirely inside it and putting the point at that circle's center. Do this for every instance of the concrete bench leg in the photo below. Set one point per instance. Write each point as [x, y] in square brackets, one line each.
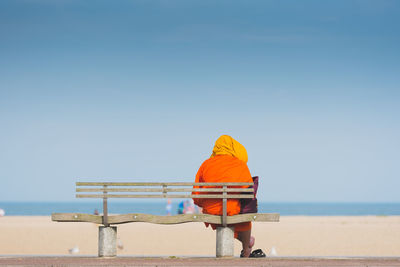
[107, 241]
[225, 236]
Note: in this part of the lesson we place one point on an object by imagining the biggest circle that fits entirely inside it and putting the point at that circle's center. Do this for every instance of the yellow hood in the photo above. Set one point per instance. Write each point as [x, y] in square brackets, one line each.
[226, 145]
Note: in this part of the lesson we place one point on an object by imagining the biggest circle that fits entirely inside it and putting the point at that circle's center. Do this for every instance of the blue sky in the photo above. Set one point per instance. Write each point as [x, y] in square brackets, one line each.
[140, 91]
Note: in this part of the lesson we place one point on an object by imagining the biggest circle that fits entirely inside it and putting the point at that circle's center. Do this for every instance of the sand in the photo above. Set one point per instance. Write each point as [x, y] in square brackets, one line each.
[376, 236]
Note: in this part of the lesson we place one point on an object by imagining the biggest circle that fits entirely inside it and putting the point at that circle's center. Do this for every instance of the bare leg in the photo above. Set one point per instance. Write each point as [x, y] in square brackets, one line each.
[247, 242]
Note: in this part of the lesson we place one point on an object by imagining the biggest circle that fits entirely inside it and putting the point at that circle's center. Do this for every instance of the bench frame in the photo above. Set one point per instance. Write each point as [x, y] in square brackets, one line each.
[108, 234]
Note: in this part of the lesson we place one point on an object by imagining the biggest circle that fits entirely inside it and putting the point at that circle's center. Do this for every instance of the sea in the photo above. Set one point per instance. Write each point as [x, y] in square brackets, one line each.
[159, 208]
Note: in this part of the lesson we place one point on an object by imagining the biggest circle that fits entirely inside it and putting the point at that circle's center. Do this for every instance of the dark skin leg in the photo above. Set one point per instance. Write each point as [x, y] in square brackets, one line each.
[247, 242]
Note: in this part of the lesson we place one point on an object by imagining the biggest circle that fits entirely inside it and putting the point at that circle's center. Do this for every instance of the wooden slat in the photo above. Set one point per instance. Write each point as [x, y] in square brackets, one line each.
[224, 209]
[158, 184]
[105, 208]
[161, 196]
[76, 217]
[176, 219]
[166, 190]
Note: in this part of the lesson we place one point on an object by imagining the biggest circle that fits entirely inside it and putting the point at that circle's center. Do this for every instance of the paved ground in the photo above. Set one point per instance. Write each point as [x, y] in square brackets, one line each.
[200, 261]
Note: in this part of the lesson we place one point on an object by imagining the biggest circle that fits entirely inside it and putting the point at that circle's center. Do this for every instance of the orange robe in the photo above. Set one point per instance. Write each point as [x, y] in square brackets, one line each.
[221, 169]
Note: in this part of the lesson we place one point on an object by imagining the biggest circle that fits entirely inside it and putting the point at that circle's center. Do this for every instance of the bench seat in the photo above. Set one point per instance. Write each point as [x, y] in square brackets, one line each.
[159, 219]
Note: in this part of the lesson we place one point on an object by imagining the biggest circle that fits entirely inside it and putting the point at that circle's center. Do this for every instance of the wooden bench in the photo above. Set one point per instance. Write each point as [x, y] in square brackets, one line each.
[108, 234]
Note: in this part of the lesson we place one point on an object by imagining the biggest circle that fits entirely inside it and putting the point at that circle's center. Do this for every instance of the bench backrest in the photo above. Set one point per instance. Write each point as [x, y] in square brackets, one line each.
[107, 190]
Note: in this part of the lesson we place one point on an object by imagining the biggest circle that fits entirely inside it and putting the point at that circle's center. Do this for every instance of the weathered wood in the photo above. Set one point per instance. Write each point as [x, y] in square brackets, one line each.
[105, 207]
[248, 190]
[158, 184]
[156, 219]
[76, 217]
[162, 196]
[224, 208]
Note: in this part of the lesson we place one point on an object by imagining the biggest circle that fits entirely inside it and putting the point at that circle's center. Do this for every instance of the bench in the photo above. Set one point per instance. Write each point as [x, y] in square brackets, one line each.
[108, 234]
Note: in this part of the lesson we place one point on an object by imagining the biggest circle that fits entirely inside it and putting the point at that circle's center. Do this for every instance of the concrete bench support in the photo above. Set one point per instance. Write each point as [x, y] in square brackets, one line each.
[107, 241]
[225, 236]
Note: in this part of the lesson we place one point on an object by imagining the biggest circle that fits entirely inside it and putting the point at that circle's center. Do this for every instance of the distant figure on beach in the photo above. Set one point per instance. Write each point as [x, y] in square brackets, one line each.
[181, 207]
[228, 163]
[187, 207]
[168, 208]
[190, 208]
[96, 212]
[2, 212]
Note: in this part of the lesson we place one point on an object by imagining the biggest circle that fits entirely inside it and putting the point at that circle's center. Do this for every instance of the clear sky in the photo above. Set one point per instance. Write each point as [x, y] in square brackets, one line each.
[140, 91]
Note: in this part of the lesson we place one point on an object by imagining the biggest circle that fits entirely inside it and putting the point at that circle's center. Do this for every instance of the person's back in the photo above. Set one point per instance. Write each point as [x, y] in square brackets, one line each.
[228, 163]
[222, 169]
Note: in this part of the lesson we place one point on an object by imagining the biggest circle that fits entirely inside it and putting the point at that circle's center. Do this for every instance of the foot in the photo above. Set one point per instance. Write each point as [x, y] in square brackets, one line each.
[247, 251]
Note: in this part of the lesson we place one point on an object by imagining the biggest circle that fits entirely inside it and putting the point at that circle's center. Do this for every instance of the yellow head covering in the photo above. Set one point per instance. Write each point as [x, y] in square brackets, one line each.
[226, 145]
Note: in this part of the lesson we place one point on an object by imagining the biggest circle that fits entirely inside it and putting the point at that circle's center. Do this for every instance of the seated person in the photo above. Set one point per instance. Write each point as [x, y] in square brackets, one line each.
[228, 163]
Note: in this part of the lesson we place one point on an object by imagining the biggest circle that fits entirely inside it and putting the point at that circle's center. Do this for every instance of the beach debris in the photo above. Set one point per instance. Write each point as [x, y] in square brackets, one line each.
[2, 212]
[74, 250]
[273, 252]
[120, 245]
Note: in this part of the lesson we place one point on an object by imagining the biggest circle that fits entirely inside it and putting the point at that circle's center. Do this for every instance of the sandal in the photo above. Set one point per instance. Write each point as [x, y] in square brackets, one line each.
[258, 253]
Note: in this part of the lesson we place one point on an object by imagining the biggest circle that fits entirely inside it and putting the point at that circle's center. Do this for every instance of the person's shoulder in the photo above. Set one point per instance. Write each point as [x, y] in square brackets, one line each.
[236, 161]
[206, 162]
[224, 158]
[217, 160]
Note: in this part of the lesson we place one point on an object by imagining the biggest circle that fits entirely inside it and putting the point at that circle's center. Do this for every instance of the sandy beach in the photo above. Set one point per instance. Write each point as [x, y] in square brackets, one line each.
[293, 236]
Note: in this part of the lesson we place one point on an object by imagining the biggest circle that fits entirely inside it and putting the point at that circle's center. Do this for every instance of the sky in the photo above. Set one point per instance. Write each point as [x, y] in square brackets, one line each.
[140, 91]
